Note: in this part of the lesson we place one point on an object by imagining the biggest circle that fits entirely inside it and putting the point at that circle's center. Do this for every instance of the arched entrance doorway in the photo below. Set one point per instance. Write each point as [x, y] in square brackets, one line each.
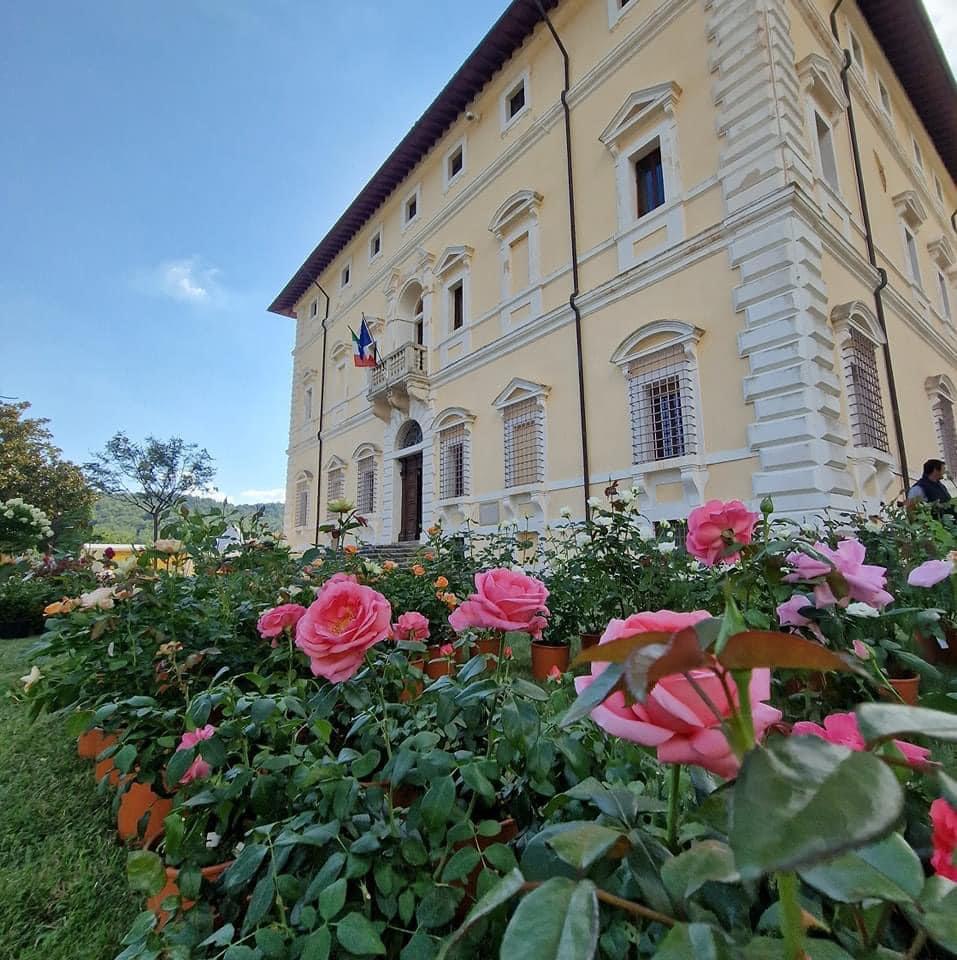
[410, 474]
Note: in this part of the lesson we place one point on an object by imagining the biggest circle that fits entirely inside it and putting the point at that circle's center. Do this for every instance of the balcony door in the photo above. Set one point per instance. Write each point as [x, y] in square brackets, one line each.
[410, 469]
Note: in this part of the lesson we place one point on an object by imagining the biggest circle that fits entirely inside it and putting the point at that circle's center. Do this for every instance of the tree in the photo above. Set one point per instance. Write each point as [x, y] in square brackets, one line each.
[32, 467]
[155, 475]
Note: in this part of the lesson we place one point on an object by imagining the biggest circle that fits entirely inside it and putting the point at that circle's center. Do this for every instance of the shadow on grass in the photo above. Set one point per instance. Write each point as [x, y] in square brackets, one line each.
[63, 890]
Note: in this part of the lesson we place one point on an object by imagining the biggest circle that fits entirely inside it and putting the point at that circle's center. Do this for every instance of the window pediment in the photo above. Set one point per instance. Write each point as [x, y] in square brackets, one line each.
[452, 417]
[523, 203]
[821, 80]
[458, 256]
[655, 336]
[519, 390]
[940, 385]
[856, 314]
[640, 107]
[309, 375]
[909, 208]
[942, 253]
[335, 463]
[365, 450]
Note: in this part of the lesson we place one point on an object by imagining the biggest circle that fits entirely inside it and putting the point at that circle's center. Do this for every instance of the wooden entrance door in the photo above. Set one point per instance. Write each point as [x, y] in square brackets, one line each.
[411, 472]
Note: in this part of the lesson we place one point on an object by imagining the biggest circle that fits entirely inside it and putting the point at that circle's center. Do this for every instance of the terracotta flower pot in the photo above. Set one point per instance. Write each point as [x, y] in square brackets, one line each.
[908, 688]
[413, 688]
[106, 767]
[404, 795]
[589, 640]
[137, 802]
[548, 655]
[489, 646]
[153, 904]
[438, 664]
[933, 652]
[92, 743]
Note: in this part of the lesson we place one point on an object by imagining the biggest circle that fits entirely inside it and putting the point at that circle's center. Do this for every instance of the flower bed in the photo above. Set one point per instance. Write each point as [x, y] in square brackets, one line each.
[725, 778]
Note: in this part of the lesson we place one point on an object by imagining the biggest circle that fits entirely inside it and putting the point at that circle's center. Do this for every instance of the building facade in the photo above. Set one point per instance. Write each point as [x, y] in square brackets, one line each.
[718, 334]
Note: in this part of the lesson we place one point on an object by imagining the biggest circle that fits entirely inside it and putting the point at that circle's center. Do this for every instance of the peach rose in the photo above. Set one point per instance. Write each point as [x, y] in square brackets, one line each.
[418, 570]
[199, 769]
[504, 600]
[441, 583]
[351, 549]
[411, 626]
[714, 527]
[344, 621]
[674, 719]
[284, 617]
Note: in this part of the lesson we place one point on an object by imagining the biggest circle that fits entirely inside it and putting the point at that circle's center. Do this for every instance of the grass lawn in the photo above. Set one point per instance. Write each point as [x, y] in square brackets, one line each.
[63, 890]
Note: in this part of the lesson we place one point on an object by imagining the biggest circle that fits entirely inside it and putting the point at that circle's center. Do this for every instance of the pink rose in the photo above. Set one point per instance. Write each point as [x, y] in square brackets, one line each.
[930, 573]
[340, 625]
[199, 769]
[674, 718]
[284, 617]
[865, 582]
[842, 729]
[504, 600]
[411, 626]
[555, 675]
[943, 818]
[715, 526]
[789, 615]
[337, 578]
[446, 650]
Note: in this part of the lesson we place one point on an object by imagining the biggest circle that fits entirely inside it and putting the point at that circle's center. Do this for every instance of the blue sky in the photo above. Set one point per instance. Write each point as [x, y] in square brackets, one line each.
[165, 169]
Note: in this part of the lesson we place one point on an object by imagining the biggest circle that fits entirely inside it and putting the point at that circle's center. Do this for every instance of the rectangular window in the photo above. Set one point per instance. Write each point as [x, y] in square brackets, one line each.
[518, 263]
[885, 96]
[524, 444]
[375, 245]
[912, 256]
[938, 189]
[302, 503]
[944, 302]
[918, 157]
[825, 149]
[948, 433]
[365, 490]
[857, 54]
[456, 163]
[411, 208]
[457, 305]
[335, 487]
[307, 403]
[661, 406]
[315, 307]
[452, 462]
[345, 276]
[865, 405]
[516, 100]
[649, 181]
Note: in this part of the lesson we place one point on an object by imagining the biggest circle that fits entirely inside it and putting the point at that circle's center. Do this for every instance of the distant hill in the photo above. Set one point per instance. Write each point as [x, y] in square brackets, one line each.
[115, 521]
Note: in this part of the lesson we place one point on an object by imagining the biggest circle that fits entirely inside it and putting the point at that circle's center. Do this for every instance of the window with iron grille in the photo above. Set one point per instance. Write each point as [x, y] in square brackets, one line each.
[661, 405]
[524, 443]
[453, 462]
[365, 485]
[947, 430]
[302, 503]
[865, 406]
[335, 487]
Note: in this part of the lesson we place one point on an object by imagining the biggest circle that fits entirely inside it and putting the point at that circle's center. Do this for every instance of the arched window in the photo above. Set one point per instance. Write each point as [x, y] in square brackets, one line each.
[335, 482]
[410, 435]
[418, 320]
[301, 502]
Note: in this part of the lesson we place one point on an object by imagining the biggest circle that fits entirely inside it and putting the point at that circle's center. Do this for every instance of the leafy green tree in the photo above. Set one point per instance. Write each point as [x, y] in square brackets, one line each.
[155, 475]
[33, 467]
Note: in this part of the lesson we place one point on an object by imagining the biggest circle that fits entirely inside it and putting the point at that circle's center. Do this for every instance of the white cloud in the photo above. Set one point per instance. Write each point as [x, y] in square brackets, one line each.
[187, 280]
[275, 495]
[943, 15]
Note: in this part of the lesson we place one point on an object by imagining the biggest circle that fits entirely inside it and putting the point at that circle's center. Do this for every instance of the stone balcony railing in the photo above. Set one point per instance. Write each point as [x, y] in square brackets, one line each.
[404, 371]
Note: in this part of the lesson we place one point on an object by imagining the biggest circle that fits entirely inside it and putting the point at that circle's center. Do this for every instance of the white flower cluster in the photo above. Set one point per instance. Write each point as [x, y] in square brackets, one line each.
[33, 519]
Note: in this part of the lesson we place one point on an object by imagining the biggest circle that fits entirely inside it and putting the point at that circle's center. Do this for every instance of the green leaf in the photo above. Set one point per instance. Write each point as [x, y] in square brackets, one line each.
[437, 803]
[474, 778]
[529, 690]
[888, 870]
[190, 881]
[259, 903]
[937, 912]
[461, 864]
[242, 870]
[501, 856]
[420, 947]
[414, 852]
[317, 945]
[802, 800]
[125, 758]
[438, 907]
[594, 694]
[142, 925]
[239, 951]
[886, 721]
[212, 751]
[358, 936]
[581, 844]
[500, 894]
[174, 830]
[145, 872]
[221, 938]
[705, 862]
[948, 787]
[556, 921]
[333, 899]
[78, 722]
[179, 763]
[271, 942]
[698, 940]
[362, 767]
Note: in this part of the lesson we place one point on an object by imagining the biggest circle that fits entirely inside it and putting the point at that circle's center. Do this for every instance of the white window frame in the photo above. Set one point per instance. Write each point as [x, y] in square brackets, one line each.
[939, 388]
[520, 391]
[314, 308]
[943, 293]
[415, 194]
[302, 496]
[454, 266]
[618, 10]
[938, 191]
[912, 256]
[516, 217]
[918, 156]
[345, 281]
[377, 233]
[819, 116]
[335, 471]
[857, 50]
[523, 78]
[943, 258]
[365, 455]
[454, 419]
[307, 397]
[449, 180]
[884, 99]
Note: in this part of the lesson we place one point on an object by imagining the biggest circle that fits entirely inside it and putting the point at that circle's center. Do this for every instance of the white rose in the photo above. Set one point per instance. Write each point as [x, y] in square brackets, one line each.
[646, 534]
[34, 676]
[566, 512]
[594, 502]
[604, 521]
[582, 539]
[874, 525]
[212, 840]
[666, 547]
[862, 610]
[101, 598]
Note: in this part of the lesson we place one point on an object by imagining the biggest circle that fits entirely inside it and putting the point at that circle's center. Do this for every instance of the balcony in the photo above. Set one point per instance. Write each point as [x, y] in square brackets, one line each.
[403, 373]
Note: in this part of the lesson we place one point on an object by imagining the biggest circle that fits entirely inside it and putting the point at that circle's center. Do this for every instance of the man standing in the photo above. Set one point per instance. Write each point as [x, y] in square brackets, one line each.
[929, 488]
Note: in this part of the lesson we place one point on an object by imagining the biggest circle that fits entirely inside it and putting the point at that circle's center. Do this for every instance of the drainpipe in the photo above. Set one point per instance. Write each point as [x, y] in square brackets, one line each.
[322, 405]
[573, 237]
[872, 255]
[953, 220]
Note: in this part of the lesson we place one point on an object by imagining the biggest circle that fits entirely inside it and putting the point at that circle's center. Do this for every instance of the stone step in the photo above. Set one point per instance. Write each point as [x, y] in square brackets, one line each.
[399, 552]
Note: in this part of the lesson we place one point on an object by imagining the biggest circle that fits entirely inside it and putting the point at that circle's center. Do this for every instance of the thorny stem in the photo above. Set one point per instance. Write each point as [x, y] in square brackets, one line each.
[791, 928]
[674, 797]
